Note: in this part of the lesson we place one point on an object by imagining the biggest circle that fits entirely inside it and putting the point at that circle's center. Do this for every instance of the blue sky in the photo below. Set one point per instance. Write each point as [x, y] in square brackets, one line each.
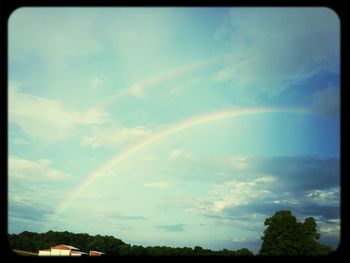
[93, 94]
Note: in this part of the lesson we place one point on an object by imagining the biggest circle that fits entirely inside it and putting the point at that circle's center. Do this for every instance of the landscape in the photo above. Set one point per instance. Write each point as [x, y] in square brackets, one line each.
[284, 235]
[210, 131]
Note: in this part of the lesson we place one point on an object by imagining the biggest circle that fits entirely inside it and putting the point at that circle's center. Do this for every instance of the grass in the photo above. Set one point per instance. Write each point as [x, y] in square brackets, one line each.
[24, 253]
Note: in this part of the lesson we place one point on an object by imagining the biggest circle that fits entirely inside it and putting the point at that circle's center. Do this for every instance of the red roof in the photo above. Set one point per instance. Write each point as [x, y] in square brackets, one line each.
[95, 253]
[65, 247]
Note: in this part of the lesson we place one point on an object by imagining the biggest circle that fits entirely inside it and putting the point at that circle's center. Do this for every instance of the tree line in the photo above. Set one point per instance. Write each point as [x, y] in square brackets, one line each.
[33, 242]
[284, 235]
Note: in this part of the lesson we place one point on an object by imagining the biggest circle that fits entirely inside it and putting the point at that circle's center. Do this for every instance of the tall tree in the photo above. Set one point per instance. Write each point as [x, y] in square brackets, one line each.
[285, 235]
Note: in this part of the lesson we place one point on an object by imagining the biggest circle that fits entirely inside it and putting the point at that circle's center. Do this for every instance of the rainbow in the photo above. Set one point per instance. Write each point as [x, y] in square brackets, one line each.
[138, 89]
[177, 127]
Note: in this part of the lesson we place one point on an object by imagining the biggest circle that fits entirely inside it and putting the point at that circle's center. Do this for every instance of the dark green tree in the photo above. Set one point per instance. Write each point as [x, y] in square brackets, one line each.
[285, 235]
[244, 252]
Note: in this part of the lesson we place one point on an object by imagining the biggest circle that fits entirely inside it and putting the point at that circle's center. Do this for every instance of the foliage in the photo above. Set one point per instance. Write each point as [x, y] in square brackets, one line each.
[30, 241]
[33, 242]
[285, 235]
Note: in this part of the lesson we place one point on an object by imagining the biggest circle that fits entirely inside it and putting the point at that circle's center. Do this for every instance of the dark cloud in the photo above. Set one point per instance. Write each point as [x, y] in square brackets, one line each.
[34, 213]
[172, 228]
[325, 211]
[327, 101]
[304, 185]
[298, 173]
[295, 173]
[300, 209]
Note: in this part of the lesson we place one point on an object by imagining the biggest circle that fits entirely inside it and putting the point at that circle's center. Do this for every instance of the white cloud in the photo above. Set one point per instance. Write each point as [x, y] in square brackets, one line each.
[327, 101]
[240, 239]
[328, 196]
[21, 200]
[239, 162]
[333, 230]
[48, 119]
[246, 239]
[41, 169]
[232, 193]
[330, 227]
[114, 135]
[97, 83]
[286, 201]
[178, 154]
[335, 220]
[157, 185]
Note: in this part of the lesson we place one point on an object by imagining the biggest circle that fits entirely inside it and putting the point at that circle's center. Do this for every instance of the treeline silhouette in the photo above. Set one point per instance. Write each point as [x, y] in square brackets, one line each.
[111, 246]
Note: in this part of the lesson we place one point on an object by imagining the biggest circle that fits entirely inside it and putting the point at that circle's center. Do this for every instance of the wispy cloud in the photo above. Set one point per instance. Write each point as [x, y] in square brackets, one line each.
[328, 196]
[113, 136]
[48, 119]
[97, 83]
[22, 169]
[121, 216]
[35, 188]
[232, 193]
[239, 162]
[172, 228]
[179, 154]
[138, 89]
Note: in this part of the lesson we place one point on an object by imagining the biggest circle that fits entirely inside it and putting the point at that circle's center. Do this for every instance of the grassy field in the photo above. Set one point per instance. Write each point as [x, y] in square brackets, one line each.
[24, 253]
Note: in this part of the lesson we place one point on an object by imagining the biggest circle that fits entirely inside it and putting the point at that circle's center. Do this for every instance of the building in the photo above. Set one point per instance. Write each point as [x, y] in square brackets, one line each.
[61, 250]
[95, 253]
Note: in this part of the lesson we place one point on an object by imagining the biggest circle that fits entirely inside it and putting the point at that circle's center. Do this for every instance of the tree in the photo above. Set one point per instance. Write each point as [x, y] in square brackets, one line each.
[243, 252]
[285, 235]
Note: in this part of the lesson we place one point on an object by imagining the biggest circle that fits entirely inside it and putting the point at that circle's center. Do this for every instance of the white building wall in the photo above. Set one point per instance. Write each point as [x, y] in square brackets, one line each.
[44, 253]
[55, 252]
[59, 252]
[65, 252]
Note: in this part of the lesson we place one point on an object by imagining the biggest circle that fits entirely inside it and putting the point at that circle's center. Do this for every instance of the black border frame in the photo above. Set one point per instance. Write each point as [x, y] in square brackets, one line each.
[6, 8]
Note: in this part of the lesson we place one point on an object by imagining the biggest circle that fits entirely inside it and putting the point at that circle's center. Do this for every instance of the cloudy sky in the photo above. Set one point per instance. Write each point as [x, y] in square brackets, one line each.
[173, 126]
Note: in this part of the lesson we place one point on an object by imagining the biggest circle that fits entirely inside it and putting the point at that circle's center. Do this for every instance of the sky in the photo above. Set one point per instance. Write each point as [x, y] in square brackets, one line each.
[173, 126]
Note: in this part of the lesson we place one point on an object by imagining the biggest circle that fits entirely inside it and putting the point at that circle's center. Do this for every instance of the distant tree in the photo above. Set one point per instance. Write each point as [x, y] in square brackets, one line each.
[244, 252]
[124, 250]
[285, 235]
[187, 251]
[32, 242]
[198, 250]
